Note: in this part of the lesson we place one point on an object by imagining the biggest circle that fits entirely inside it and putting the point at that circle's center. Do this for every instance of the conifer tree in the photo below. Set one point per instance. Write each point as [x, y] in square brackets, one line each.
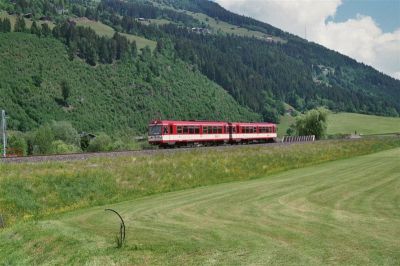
[35, 29]
[20, 25]
[6, 25]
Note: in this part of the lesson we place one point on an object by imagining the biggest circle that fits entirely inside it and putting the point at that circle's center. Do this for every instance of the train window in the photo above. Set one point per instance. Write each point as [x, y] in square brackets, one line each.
[179, 129]
[214, 130]
[197, 130]
[219, 130]
[191, 130]
[185, 130]
[165, 131]
[233, 129]
[210, 131]
[205, 131]
[254, 129]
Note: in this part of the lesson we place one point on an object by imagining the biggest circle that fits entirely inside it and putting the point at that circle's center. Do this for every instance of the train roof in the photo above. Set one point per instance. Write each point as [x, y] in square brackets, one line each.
[211, 123]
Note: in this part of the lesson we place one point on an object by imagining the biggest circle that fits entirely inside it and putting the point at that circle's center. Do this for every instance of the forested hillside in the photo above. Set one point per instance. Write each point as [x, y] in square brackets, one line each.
[116, 86]
[109, 97]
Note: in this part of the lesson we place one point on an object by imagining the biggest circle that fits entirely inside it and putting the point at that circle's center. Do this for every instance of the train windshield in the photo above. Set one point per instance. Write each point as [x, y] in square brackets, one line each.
[155, 130]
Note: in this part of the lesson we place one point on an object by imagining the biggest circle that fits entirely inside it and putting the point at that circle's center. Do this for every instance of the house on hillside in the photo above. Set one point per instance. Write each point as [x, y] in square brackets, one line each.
[45, 18]
[201, 30]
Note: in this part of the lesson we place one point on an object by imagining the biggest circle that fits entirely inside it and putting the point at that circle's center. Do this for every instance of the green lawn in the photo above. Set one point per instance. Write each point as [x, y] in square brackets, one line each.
[348, 123]
[342, 212]
[364, 124]
[104, 30]
[284, 124]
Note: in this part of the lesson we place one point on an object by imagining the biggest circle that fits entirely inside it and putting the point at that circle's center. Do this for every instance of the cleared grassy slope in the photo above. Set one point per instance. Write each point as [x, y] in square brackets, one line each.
[13, 18]
[227, 28]
[104, 30]
[343, 212]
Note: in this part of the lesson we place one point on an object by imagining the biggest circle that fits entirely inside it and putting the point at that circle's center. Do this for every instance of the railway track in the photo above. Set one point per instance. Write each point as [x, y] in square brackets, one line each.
[85, 156]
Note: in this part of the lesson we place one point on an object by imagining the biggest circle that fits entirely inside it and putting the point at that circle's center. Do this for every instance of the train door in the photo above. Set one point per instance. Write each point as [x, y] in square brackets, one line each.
[230, 131]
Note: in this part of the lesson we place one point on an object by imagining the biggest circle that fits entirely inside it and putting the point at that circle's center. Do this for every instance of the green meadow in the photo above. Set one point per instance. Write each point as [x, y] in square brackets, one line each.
[339, 212]
[227, 28]
[13, 18]
[349, 123]
[104, 30]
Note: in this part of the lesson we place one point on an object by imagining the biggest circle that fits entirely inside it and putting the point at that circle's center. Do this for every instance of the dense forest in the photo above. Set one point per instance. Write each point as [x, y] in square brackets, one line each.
[260, 75]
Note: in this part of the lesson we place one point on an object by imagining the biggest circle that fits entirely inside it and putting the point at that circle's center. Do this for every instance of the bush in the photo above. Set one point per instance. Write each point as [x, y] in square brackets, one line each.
[18, 143]
[64, 131]
[124, 143]
[102, 142]
[312, 123]
[42, 140]
[60, 147]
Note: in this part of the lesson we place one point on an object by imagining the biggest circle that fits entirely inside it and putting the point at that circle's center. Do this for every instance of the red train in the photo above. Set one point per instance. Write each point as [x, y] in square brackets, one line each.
[166, 133]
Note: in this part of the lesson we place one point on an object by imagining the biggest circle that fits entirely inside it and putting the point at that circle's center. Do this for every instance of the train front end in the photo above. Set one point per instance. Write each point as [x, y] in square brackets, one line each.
[155, 136]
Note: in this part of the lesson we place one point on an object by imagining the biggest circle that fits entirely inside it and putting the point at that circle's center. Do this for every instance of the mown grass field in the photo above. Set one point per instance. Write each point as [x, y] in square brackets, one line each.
[105, 30]
[33, 191]
[364, 124]
[349, 123]
[341, 212]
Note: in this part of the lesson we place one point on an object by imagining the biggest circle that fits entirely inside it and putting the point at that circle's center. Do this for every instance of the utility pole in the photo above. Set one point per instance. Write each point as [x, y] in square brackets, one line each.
[4, 128]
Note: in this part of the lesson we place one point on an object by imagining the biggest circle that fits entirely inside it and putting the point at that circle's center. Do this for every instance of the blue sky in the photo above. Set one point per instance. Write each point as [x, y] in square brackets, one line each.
[385, 12]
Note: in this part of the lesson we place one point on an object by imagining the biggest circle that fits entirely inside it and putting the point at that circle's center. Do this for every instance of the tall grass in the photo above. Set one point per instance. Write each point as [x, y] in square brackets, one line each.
[30, 191]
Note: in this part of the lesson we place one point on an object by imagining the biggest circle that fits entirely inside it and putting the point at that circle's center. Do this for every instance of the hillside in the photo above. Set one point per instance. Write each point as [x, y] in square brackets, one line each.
[295, 71]
[104, 30]
[120, 96]
[204, 62]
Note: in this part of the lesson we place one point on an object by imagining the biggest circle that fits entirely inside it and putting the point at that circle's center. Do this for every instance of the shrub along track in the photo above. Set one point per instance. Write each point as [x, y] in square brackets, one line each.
[143, 152]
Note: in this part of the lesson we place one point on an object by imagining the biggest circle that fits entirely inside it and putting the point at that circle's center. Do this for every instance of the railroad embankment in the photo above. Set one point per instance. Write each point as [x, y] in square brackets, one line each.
[33, 191]
[340, 212]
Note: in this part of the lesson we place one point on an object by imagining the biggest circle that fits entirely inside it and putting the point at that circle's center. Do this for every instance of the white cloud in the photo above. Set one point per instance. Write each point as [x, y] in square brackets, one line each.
[359, 37]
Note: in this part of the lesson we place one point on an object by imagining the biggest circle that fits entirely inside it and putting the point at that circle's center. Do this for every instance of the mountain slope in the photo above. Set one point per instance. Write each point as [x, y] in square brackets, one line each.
[198, 45]
[121, 96]
[295, 71]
